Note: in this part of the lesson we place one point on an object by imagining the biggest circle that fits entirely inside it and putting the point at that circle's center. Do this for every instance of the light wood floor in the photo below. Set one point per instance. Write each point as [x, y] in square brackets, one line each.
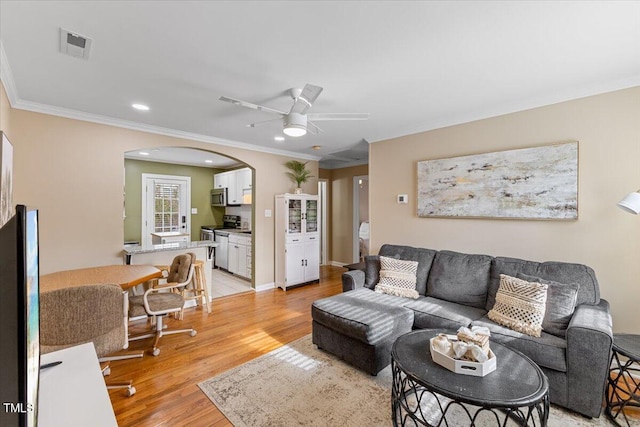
[239, 328]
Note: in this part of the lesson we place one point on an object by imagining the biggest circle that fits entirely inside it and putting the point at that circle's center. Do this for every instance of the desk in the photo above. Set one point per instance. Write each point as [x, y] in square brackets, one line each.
[127, 276]
[73, 393]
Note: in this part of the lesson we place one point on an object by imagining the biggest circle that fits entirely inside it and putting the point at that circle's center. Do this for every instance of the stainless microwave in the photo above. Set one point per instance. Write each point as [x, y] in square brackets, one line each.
[219, 197]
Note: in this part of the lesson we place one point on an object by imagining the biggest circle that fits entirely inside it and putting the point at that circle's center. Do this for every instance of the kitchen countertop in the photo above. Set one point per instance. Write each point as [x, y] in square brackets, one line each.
[137, 249]
[236, 231]
[169, 234]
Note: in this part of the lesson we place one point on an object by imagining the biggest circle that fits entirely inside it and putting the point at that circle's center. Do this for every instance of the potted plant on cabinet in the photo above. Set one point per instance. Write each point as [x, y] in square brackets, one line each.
[298, 173]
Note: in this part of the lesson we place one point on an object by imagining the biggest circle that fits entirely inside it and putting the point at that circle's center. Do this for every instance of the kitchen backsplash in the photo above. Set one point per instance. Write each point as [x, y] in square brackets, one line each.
[245, 214]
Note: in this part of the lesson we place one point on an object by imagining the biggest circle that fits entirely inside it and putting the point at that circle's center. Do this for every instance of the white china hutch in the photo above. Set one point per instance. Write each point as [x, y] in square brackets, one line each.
[297, 239]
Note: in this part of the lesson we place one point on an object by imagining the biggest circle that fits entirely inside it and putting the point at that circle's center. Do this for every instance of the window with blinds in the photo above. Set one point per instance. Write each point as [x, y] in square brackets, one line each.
[167, 207]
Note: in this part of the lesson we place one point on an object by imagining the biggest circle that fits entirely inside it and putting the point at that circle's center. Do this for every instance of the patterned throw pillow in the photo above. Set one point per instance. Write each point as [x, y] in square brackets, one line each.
[397, 277]
[520, 305]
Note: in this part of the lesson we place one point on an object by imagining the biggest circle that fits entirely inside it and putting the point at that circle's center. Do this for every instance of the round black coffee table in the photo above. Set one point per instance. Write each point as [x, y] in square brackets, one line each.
[623, 388]
[426, 394]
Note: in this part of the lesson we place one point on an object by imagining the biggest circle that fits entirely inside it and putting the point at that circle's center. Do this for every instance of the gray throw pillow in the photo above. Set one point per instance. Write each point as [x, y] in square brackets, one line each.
[561, 303]
[371, 271]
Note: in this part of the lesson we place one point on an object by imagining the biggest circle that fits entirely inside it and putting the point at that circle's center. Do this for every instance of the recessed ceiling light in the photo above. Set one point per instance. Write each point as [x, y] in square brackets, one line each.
[279, 138]
[208, 161]
[316, 147]
[143, 153]
[140, 107]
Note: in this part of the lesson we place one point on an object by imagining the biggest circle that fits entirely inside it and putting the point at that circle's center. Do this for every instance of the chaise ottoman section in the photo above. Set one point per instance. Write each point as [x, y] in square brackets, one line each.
[360, 326]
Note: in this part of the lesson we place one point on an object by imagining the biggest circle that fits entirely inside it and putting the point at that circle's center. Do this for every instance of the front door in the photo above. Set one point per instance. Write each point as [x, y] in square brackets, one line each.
[165, 205]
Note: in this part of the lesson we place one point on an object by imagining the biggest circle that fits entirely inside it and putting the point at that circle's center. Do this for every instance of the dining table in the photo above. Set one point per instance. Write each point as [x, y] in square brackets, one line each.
[127, 276]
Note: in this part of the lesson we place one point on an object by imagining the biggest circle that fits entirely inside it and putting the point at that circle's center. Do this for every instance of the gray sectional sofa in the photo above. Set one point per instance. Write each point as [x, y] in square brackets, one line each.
[456, 290]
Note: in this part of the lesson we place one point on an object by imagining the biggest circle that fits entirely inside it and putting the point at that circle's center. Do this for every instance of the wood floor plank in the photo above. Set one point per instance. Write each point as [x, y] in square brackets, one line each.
[239, 328]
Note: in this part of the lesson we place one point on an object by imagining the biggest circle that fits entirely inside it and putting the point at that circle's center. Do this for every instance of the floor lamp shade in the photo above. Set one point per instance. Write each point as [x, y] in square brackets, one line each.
[631, 203]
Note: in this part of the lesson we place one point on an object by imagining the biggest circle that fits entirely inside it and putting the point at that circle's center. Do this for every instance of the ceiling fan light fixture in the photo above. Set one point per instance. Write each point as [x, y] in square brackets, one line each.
[295, 124]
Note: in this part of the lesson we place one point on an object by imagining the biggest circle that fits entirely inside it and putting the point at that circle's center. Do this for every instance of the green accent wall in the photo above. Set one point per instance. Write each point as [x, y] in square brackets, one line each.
[201, 185]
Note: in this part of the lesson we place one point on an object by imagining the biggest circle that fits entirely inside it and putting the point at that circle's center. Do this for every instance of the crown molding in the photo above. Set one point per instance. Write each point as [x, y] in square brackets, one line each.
[343, 165]
[6, 76]
[110, 121]
[9, 84]
[570, 94]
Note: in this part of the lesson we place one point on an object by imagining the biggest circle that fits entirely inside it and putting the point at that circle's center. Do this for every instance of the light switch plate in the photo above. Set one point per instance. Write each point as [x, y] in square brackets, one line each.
[267, 213]
[194, 211]
[403, 198]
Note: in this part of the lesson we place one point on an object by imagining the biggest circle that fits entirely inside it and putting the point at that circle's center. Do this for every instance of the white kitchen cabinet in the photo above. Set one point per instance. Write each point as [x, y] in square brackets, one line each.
[221, 180]
[240, 255]
[237, 182]
[297, 240]
[244, 178]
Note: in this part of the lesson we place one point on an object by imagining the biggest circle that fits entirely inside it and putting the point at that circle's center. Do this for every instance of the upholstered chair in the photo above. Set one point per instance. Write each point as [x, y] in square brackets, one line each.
[88, 313]
[164, 298]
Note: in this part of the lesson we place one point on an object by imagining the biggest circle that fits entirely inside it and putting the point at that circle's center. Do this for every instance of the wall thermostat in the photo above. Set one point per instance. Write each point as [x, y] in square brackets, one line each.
[403, 198]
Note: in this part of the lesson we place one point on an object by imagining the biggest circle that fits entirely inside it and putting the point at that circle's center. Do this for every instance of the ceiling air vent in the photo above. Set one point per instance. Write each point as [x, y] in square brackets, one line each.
[74, 44]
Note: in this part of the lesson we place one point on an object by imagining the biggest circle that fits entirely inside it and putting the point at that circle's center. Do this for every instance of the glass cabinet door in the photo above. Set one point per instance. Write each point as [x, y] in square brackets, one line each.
[295, 216]
[311, 216]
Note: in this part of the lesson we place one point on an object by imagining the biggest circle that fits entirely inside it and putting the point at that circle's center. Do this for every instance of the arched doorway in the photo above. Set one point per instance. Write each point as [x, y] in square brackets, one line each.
[152, 204]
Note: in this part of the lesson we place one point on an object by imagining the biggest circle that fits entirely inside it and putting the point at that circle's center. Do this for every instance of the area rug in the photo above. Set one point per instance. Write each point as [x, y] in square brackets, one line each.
[299, 385]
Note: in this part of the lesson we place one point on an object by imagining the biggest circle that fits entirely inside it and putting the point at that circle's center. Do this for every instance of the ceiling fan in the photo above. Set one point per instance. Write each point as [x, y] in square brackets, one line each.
[298, 120]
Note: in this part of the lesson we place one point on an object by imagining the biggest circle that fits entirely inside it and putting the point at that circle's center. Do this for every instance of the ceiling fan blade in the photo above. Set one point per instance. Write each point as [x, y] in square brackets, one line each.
[338, 116]
[250, 105]
[305, 100]
[313, 128]
[252, 125]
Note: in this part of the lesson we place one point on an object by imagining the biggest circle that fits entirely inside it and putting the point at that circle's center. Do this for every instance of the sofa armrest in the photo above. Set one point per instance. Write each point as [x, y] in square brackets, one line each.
[352, 280]
[589, 342]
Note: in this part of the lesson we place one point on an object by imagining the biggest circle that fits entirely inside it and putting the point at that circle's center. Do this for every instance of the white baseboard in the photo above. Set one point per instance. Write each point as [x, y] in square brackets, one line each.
[337, 264]
[265, 287]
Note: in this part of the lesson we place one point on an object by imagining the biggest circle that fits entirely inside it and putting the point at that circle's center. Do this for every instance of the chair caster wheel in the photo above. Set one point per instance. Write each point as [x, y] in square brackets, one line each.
[130, 391]
[155, 352]
[193, 333]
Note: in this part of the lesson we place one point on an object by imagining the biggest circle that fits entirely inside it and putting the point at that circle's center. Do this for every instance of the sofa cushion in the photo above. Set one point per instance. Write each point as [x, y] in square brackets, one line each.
[561, 303]
[364, 315]
[548, 351]
[433, 313]
[371, 271]
[520, 305]
[561, 272]
[397, 277]
[423, 256]
[460, 278]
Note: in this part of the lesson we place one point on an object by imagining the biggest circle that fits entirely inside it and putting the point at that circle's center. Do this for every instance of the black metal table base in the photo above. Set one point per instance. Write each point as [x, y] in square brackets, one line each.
[623, 389]
[414, 405]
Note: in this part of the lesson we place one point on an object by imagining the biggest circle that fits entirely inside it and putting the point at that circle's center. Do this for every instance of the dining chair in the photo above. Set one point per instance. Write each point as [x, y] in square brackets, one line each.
[88, 313]
[164, 298]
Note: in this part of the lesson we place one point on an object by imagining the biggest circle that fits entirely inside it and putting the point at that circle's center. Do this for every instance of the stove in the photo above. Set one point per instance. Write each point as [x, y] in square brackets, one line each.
[229, 222]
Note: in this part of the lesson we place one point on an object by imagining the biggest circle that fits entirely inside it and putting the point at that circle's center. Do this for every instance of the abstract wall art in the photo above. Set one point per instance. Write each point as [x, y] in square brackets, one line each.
[527, 183]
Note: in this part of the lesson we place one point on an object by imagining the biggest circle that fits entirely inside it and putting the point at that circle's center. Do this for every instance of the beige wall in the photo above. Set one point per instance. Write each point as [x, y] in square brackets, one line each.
[341, 213]
[73, 172]
[606, 238]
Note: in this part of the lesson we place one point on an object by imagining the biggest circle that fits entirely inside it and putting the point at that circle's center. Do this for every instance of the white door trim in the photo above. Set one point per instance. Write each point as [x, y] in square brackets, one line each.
[356, 216]
[145, 237]
[323, 185]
